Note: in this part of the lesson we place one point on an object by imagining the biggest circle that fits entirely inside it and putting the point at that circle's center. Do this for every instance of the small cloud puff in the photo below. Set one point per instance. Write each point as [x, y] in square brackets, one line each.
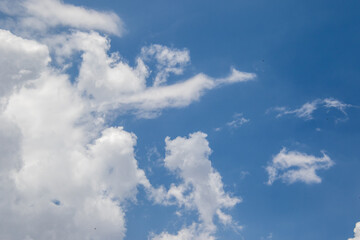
[293, 166]
[238, 120]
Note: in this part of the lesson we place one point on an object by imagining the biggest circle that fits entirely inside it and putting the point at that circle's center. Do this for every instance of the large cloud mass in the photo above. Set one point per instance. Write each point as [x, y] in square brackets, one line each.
[66, 174]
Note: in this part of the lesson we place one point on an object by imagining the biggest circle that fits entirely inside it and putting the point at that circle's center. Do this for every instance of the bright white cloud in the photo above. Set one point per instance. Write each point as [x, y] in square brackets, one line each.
[65, 173]
[20, 60]
[64, 160]
[193, 232]
[111, 83]
[202, 187]
[356, 232]
[306, 111]
[44, 14]
[293, 166]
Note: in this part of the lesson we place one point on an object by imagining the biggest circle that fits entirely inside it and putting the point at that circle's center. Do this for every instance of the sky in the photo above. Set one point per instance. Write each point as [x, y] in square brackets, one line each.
[179, 120]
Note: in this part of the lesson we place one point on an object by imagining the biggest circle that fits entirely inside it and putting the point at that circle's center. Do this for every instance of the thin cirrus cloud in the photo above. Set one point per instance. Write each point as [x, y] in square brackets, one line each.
[356, 232]
[306, 110]
[64, 171]
[293, 166]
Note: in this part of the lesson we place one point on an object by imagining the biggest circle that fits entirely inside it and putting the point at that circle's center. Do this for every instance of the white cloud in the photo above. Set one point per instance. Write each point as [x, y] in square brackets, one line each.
[306, 111]
[20, 60]
[356, 232]
[202, 187]
[111, 83]
[44, 14]
[193, 232]
[168, 60]
[293, 166]
[64, 159]
[65, 173]
[334, 103]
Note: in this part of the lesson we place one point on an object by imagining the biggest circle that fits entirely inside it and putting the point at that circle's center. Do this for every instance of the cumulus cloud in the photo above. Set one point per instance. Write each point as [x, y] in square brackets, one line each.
[201, 188]
[44, 14]
[20, 60]
[65, 172]
[356, 232]
[293, 166]
[306, 111]
[63, 159]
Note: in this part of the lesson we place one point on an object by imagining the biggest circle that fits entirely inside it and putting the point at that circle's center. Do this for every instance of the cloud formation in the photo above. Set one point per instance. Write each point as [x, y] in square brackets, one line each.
[193, 232]
[201, 188]
[306, 111]
[40, 15]
[21, 60]
[356, 232]
[238, 120]
[168, 61]
[74, 173]
[111, 83]
[65, 172]
[293, 166]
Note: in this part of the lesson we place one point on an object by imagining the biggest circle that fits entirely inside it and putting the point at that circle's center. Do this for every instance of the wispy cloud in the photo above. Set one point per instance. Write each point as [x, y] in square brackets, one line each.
[306, 111]
[237, 121]
[168, 60]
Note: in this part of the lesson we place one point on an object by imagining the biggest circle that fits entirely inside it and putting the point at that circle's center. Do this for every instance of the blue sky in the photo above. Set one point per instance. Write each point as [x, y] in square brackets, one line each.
[179, 120]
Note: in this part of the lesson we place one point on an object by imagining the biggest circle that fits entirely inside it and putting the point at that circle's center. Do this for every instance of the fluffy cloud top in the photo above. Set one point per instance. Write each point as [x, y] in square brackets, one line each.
[292, 166]
[63, 161]
[193, 232]
[20, 60]
[356, 232]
